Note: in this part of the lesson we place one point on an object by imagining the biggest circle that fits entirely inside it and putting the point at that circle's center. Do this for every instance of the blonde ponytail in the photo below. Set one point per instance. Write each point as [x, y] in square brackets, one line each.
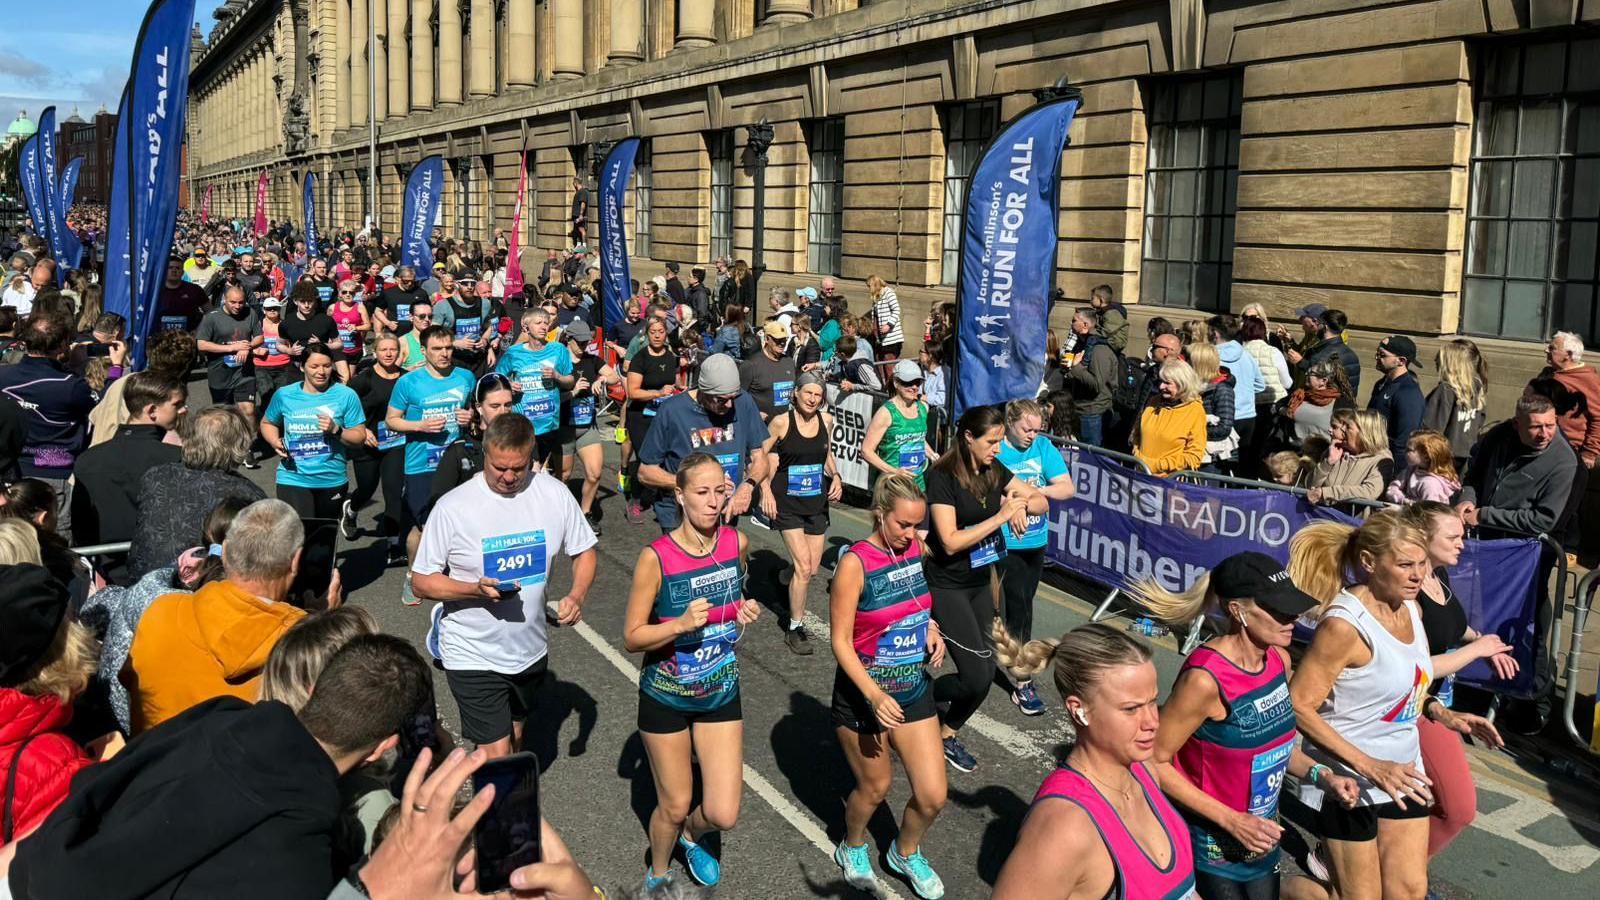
[1326, 556]
[1081, 656]
[1023, 661]
[1175, 609]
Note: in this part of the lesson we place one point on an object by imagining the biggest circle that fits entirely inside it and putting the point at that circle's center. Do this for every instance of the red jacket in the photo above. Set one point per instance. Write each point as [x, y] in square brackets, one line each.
[48, 762]
[1578, 409]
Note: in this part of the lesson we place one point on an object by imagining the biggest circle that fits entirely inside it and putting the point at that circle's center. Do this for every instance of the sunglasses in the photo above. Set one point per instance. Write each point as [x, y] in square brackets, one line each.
[422, 315]
[347, 293]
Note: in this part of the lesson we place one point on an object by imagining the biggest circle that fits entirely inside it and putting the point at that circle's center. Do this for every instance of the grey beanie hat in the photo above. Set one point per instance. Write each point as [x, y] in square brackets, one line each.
[719, 375]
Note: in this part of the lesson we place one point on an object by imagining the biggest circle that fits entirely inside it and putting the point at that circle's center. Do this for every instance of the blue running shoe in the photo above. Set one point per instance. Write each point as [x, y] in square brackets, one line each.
[702, 866]
[652, 881]
[857, 865]
[1027, 699]
[917, 871]
[955, 753]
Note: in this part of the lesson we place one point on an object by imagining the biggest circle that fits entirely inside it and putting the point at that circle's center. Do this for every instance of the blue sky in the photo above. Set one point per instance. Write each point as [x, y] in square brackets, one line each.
[70, 53]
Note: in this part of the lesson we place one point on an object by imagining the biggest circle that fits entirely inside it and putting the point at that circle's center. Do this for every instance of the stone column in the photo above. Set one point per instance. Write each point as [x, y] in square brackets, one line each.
[399, 61]
[379, 58]
[783, 12]
[696, 23]
[358, 62]
[341, 64]
[627, 33]
[480, 81]
[568, 18]
[449, 52]
[421, 55]
[520, 70]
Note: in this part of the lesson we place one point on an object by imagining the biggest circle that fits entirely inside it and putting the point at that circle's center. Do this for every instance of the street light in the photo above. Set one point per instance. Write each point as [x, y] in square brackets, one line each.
[758, 139]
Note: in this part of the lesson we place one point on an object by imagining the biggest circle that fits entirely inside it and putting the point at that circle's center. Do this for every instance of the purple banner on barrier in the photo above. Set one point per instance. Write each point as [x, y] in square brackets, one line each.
[1124, 526]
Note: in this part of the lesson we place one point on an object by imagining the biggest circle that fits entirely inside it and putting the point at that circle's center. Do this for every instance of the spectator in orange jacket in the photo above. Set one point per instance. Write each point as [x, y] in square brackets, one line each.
[1575, 390]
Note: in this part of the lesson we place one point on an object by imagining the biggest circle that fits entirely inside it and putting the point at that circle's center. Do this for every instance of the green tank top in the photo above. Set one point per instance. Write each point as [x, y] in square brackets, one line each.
[905, 444]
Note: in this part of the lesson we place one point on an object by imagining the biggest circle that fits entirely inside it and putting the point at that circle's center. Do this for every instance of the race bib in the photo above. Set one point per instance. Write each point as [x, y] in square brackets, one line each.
[433, 455]
[515, 557]
[542, 405]
[388, 439]
[988, 551]
[306, 440]
[402, 312]
[701, 655]
[174, 323]
[347, 337]
[469, 329]
[231, 361]
[905, 643]
[805, 481]
[1447, 692]
[271, 345]
[650, 410]
[1036, 527]
[1266, 779]
[731, 464]
[583, 411]
[781, 392]
[913, 456]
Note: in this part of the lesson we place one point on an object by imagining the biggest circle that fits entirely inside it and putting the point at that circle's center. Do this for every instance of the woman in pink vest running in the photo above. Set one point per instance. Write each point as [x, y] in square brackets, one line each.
[1099, 826]
[1227, 736]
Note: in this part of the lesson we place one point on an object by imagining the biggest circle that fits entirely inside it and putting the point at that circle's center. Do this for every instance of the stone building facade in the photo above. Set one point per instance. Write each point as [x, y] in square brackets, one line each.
[1430, 166]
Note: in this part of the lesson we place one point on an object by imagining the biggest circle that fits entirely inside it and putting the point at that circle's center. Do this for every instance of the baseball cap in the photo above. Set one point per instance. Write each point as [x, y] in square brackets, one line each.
[580, 331]
[810, 293]
[1401, 346]
[580, 250]
[386, 272]
[1261, 578]
[719, 375]
[777, 330]
[272, 303]
[907, 371]
[30, 617]
[1310, 311]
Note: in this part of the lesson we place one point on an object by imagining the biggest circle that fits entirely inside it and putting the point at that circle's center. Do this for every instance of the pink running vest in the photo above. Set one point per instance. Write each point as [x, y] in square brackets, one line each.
[1138, 877]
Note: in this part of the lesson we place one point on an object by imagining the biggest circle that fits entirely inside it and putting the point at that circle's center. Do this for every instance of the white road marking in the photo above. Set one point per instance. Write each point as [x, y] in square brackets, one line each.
[802, 822]
[1508, 822]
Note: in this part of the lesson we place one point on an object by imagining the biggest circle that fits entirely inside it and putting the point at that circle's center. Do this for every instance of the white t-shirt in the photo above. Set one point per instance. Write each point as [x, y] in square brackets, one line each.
[472, 529]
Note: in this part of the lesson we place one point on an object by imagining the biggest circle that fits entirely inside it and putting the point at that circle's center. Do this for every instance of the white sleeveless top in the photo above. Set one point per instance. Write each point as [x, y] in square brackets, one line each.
[1375, 706]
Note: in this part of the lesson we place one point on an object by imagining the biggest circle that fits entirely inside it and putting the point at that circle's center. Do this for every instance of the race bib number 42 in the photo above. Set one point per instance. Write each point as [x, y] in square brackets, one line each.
[515, 557]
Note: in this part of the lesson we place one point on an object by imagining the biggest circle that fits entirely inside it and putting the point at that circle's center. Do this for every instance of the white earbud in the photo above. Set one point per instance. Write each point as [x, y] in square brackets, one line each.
[1081, 717]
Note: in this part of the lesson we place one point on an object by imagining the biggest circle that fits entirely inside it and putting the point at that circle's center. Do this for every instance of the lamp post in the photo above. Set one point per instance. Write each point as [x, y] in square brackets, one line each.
[758, 138]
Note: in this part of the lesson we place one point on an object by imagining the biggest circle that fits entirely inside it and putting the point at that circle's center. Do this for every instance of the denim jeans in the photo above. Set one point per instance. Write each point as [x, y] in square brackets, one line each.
[1091, 428]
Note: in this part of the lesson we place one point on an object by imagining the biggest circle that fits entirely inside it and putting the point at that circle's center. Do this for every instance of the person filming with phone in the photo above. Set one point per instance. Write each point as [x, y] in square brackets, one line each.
[485, 557]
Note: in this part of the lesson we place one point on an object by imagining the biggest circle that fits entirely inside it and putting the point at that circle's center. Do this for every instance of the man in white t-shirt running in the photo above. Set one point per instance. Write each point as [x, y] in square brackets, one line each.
[485, 556]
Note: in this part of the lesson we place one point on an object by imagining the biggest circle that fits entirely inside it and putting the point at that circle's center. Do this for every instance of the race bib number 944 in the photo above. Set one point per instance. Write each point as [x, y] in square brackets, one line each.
[515, 557]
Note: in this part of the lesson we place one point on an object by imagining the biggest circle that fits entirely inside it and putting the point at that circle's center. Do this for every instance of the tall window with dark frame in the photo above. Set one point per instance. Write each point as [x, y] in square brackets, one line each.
[641, 200]
[719, 147]
[1533, 222]
[467, 212]
[826, 211]
[1191, 191]
[967, 127]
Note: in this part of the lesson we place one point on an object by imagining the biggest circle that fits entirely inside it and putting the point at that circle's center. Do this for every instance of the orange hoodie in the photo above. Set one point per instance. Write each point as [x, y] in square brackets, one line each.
[190, 648]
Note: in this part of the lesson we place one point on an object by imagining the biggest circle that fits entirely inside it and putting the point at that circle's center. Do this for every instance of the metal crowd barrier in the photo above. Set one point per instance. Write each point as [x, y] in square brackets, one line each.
[1216, 479]
[1580, 618]
[104, 549]
[1132, 462]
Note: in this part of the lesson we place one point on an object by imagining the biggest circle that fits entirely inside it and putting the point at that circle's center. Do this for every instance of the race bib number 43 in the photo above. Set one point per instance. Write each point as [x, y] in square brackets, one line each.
[515, 557]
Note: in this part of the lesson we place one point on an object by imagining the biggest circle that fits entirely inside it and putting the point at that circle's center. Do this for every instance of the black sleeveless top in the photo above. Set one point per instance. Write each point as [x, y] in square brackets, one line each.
[800, 487]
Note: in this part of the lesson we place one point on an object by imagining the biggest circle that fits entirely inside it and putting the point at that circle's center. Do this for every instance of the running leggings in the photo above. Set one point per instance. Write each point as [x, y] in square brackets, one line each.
[1020, 571]
[1215, 887]
[964, 615]
[1455, 798]
[389, 468]
[638, 428]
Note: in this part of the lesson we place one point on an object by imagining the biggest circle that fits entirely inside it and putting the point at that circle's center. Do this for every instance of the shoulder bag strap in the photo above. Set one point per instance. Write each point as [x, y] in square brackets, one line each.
[7, 825]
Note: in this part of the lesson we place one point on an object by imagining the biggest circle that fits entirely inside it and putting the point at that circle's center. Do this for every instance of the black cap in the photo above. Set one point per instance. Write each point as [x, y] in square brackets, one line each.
[31, 611]
[1403, 347]
[1256, 576]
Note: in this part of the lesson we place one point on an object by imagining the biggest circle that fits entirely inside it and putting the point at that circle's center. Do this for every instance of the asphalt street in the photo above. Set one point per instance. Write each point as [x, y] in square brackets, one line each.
[597, 788]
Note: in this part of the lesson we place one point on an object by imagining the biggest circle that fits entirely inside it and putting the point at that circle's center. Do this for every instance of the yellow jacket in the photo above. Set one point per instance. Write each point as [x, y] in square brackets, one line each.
[1171, 438]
